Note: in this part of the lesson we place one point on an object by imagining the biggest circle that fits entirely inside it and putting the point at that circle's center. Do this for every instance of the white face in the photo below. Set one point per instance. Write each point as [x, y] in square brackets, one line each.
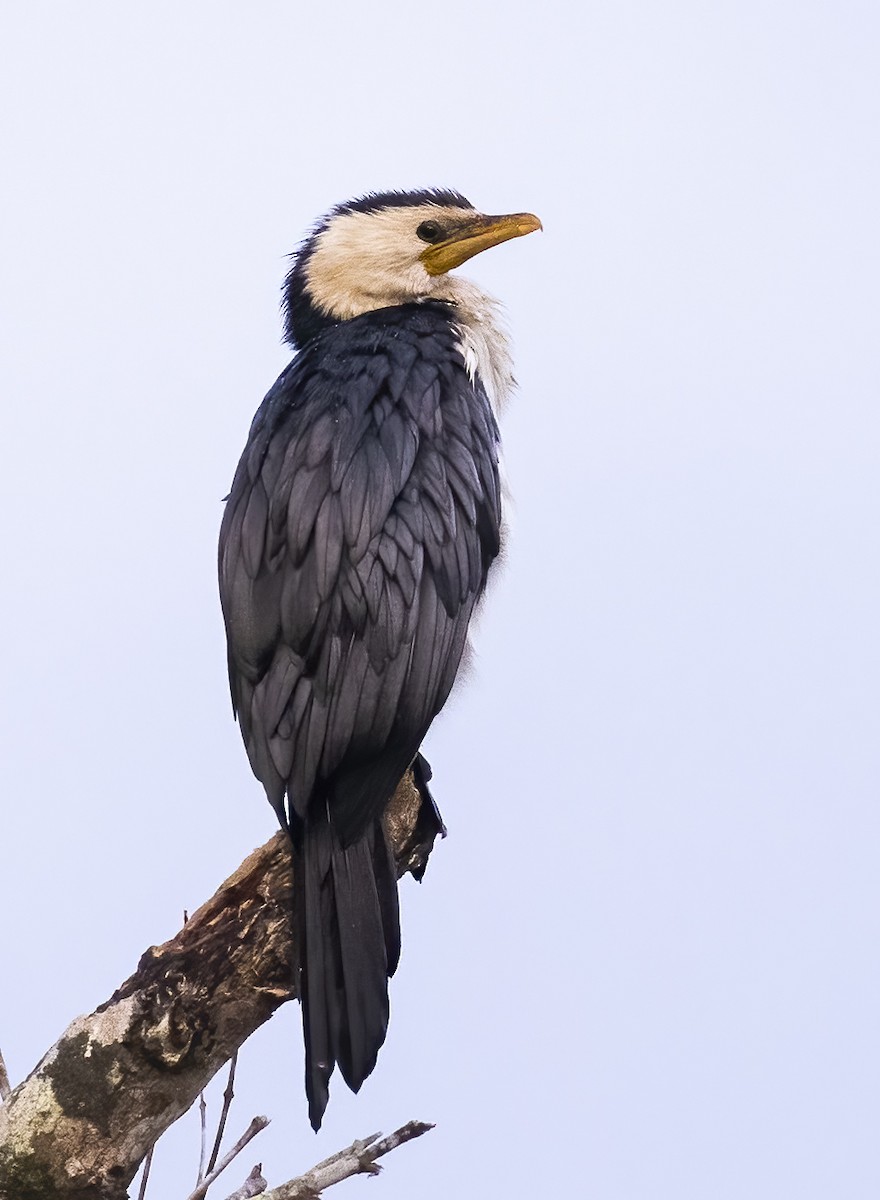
[364, 261]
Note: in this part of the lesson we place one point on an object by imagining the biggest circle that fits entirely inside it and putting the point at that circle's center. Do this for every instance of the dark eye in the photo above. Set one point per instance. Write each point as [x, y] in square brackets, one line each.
[431, 231]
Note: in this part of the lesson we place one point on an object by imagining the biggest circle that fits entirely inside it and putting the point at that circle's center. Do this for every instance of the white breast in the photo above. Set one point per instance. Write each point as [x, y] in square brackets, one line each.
[484, 343]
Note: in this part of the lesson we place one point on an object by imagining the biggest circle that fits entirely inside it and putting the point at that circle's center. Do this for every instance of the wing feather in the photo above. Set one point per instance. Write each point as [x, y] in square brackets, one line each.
[359, 531]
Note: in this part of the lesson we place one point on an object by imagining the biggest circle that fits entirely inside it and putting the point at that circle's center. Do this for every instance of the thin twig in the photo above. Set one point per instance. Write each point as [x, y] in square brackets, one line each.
[227, 1104]
[148, 1162]
[254, 1185]
[249, 1134]
[358, 1159]
[203, 1148]
[5, 1088]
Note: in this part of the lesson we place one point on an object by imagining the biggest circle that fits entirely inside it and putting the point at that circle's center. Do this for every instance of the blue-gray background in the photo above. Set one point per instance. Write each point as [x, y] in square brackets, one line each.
[644, 964]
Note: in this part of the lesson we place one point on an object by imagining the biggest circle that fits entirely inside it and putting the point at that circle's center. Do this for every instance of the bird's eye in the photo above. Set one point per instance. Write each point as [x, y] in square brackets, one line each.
[431, 231]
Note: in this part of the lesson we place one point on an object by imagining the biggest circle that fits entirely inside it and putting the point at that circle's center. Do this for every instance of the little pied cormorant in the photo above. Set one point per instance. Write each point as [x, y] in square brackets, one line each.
[363, 519]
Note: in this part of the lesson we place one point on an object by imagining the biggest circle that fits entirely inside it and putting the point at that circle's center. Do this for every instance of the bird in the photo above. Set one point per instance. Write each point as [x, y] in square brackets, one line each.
[356, 543]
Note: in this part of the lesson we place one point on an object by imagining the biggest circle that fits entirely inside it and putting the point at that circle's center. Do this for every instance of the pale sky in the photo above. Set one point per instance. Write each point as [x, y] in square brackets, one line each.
[644, 964]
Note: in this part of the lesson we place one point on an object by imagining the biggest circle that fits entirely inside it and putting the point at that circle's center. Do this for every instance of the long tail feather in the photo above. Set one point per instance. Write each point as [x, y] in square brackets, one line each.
[350, 943]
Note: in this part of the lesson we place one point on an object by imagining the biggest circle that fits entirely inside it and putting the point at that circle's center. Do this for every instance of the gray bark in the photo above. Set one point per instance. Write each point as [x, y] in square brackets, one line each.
[81, 1123]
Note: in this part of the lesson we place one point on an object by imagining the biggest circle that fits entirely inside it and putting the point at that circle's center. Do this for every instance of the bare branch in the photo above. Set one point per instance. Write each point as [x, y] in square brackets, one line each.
[203, 1114]
[227, 1104]
[406, 1133]
[83, 1121]
[203, 1137]
[148, 1162]
[358, 1159]
[5, 1087]
[256, 1126]
[254, 1185]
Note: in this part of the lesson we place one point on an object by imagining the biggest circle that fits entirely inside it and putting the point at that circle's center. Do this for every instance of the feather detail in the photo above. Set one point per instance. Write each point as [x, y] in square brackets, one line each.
[357, 540]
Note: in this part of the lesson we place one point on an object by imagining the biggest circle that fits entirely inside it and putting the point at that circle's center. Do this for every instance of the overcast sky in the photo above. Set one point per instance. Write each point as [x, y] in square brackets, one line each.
[644, 964]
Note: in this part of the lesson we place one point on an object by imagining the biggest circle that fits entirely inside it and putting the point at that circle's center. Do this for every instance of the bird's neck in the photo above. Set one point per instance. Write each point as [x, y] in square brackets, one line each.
[321, 296]
[485, 345]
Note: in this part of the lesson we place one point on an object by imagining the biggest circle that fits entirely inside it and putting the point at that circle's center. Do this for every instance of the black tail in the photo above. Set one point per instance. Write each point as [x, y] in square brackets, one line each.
[349, 946]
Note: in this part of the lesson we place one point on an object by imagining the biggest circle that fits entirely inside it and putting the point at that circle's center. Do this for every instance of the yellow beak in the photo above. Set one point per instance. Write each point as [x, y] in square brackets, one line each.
[476, 235]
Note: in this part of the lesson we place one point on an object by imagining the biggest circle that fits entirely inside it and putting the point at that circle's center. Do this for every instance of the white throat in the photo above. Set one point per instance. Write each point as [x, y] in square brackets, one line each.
[484, 343]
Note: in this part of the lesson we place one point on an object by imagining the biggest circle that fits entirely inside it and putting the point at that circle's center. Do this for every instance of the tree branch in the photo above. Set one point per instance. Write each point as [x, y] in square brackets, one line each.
[257, 1125]
[358, 1159]
[228, 1095]
[5, 1087]
[254, 1185]
[79, 1126]
[145, 1177]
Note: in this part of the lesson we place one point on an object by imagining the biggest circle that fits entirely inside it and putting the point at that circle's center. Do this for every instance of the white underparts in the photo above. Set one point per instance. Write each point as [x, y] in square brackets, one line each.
[484, 343]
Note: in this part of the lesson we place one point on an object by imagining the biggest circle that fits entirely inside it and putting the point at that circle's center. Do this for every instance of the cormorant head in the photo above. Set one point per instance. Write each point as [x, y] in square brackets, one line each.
[387, 249]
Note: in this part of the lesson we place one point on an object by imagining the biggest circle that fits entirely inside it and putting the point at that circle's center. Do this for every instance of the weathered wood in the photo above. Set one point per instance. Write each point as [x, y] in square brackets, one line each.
[358, 1159]
[78, 1127]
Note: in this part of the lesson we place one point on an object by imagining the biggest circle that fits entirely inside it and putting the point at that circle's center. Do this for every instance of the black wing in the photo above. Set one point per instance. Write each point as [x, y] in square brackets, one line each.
[357, 538]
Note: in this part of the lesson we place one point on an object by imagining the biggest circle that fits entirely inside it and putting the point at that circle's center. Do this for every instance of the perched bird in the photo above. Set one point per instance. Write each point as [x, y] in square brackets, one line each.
[363, 519]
